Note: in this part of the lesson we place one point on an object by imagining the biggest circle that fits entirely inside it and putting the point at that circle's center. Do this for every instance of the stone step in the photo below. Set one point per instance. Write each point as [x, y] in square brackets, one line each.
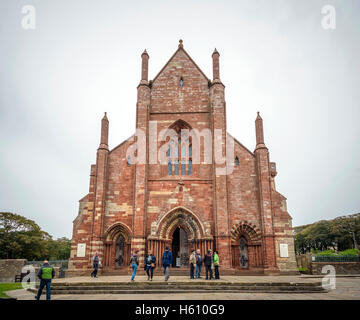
[181, 272]
[265, 289]
[182, 287]
[209, 283]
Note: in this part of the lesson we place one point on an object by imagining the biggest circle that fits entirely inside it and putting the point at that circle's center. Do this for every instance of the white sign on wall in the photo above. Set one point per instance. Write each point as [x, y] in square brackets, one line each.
[81, 250]
[284, 250]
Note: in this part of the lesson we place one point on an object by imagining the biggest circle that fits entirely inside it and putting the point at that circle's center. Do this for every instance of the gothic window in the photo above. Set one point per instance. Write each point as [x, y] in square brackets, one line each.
[236, 161]
[180, 156]
[181, 82]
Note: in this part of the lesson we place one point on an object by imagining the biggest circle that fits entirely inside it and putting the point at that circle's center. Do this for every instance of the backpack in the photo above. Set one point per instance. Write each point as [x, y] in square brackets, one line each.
[133, 259]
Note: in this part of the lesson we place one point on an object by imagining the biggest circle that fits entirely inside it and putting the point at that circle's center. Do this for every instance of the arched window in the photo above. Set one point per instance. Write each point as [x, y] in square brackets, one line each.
[180, 155]
[236, 161]
[181, 82]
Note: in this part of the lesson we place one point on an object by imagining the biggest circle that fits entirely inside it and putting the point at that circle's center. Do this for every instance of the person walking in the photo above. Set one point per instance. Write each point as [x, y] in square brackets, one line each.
[134, 262]
[192, 261]
[167, 261]
[216, 264]
[96, 262]
[208, 260]
[45, 274]
[198, 264]
[150, 263]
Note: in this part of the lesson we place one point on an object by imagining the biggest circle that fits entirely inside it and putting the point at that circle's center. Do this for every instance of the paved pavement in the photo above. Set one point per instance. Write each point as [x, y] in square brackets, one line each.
[347, 288]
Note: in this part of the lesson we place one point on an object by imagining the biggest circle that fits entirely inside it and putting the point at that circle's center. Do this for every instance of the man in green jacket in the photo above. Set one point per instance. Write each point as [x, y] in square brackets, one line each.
[45, 274]
[216, 264]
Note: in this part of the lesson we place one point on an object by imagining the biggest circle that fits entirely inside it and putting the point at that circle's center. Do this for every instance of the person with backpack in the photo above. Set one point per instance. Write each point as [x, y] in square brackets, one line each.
[216, 264]
[167, 261]
[45, 274]
[150, 264]
[96, 262]
[192, 261]
[134, 262]
[208, 260]
[198, 264]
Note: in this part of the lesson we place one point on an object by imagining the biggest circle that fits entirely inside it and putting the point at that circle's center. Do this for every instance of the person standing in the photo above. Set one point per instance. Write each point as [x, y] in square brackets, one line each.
[150, 263]
[208, 260]
[45, 274]
[134, 262]
[192, 261]
[198, 264]
[96, 261]
[167, 261]
[216, 264]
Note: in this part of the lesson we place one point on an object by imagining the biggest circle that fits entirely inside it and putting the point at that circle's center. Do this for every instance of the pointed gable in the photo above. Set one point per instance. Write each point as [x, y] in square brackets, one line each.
[180, 86]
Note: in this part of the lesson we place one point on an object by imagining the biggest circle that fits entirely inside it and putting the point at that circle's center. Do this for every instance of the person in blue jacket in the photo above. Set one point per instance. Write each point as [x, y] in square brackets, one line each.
[167, 261]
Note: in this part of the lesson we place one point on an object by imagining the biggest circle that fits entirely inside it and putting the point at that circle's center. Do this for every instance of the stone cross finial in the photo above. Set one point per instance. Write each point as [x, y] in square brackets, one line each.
[180, 43]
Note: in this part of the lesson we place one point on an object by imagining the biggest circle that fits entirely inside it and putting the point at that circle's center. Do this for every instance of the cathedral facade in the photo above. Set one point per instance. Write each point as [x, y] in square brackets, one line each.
[216, 194]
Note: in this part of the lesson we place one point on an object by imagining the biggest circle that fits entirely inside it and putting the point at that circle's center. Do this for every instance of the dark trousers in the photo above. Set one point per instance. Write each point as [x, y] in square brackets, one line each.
[208, 269]
[150, 271]
[191, 271]
[217, 275]
[43, 283]
[94, 273]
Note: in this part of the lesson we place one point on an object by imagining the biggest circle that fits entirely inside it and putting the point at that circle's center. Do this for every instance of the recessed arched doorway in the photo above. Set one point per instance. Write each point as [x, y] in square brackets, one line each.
[180, 248]
[246, 247]
[117, 246]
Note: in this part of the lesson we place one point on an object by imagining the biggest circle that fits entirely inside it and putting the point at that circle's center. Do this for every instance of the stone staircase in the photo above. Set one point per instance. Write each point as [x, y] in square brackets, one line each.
[195, 286]
[182, 272]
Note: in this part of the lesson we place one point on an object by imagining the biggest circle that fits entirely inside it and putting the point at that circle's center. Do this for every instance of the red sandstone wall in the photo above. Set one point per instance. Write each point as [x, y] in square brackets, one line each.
[197, 196]
[120, 188]
[243, 189]
[168, 96]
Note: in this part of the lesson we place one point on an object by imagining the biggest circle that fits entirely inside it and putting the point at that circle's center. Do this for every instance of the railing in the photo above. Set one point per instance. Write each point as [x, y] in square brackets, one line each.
[338, 258]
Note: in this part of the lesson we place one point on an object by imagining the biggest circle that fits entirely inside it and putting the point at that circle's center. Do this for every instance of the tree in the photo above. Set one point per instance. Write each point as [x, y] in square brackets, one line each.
[339, 234]
[59, 249]
[21, 238]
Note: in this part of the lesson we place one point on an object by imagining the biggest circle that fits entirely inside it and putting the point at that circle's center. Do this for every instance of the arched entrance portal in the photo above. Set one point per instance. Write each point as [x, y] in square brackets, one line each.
[117, 246]
[182, 231]
[180, 248]
[246, 246]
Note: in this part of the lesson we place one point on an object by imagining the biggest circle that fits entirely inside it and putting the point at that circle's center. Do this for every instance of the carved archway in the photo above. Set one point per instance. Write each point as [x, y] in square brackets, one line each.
[246, 246]
[117, 245]
[162, 231]
[180, 217]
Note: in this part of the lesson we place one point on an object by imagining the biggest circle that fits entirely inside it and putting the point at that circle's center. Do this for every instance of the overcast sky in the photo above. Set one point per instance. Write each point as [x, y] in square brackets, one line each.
[83, 58]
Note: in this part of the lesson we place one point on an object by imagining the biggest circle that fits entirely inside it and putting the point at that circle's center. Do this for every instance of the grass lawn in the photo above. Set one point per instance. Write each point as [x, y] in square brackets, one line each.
[8, 287]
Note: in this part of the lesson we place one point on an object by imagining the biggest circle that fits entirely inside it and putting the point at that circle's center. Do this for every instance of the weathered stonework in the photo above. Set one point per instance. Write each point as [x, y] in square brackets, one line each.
[140, 206]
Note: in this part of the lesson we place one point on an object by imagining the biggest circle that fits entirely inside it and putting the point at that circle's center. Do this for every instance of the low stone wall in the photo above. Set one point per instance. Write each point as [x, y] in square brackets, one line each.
[304, 261]
[340, 267]
[9, 268]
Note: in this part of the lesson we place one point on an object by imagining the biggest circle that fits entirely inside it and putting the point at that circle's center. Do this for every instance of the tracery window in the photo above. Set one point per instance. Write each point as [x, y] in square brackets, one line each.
[180, 155]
